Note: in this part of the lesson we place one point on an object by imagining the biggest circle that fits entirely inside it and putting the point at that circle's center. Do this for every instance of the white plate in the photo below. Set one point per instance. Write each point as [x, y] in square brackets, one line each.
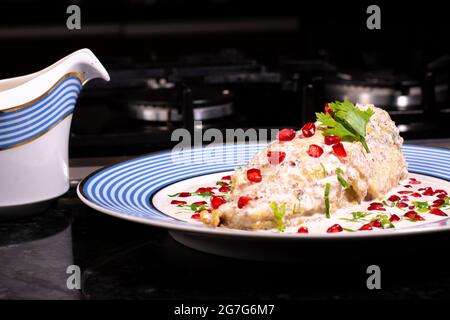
[137, 190]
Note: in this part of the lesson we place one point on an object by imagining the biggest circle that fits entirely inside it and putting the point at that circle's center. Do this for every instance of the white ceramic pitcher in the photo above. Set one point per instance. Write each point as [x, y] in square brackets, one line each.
[35, 116]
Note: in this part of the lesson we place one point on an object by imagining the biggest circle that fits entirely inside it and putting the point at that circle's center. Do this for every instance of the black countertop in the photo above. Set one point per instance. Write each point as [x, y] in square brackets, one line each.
[124, 260]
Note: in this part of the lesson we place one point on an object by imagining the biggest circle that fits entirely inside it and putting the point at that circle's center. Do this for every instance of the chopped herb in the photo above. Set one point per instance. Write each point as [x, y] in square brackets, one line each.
[357, 216]
[324, 171]
[222, 184]
[349, 122]
[278, 214]
[384, 220]
[422, 206]
[203, 194]
[174, 195]
[341, 179]
[327, 200]
[349, 230]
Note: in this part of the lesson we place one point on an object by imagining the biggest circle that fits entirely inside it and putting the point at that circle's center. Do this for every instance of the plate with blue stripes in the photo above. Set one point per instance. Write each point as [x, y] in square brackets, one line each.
[163, 190]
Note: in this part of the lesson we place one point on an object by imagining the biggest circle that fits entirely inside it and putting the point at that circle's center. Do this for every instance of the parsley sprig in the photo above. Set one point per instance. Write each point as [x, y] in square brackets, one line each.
[278, 214]
[347, 122]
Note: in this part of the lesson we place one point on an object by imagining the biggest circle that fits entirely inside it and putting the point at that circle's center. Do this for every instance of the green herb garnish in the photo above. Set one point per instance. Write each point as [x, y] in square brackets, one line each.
[349, 230]
[384, 220]
[327, 200]
[422, 206]
[203, 194]
[341, 179]
[348, 122]
[324, 171]
[174, 195]
[278, 214]
[357, 216]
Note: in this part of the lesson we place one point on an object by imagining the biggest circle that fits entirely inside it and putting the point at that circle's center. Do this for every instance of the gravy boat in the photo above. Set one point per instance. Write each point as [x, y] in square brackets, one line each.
[35, 116]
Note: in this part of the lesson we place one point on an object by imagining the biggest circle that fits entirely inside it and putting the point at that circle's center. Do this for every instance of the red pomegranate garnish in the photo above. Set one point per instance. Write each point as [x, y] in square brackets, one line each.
[224, 189]
[415, 195]
[394, 198]
[376, 206]
[405, 192]
[366, 227]
[441, 196]
[330, 140]
[286, 134]
[414, 181]
[226, 178]
[178, 202]
[339, 150]
[195, 216]
[428, 192]
[309, 129]
[327, 109]
[438, 203]
[243, 201]
[303, 230]
[205, 190]
[375, 223]
[334, 228]
[200, 203]
[440, 191]
[438, 212]
[254, 175]
[217, 201]
[414, 216]
[394, 218]
[315, 151]
[402, 205]
[408, 186]
[276, 157]
[411, 207]
[184, 194]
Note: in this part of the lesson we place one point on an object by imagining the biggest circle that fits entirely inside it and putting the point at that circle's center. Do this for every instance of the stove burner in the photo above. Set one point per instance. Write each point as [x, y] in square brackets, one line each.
[162, 105]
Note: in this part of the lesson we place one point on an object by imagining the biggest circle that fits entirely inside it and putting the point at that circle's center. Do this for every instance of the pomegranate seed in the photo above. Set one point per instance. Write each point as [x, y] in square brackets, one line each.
[195, 216]
[276, 157]
[339, 150]
[394, 218]
[438, 203]
[309, 129]
[254, 175]
[334, 228]
[441, 196]
[394, 198]
[303, 230]
[200, 203]
[327, 109]
[414, 216]
[224, 189]
[415, 182]
[428, 192]
[402, 205]
[226, 178]
[375, 223]
[416, 195]
[366, 226]
[286, 134]
[408, 186]
[440, 191]
[438, 212]
[411, 207]
[315, 151]
[184, 194]
[217, 201]
[242, 202]
[330, 140]
[376, 206]
[405, 192]
[205, 190]
[177, 202]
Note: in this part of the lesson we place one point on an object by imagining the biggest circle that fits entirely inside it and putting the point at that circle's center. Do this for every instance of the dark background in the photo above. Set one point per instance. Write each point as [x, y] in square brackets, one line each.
[33, 34]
